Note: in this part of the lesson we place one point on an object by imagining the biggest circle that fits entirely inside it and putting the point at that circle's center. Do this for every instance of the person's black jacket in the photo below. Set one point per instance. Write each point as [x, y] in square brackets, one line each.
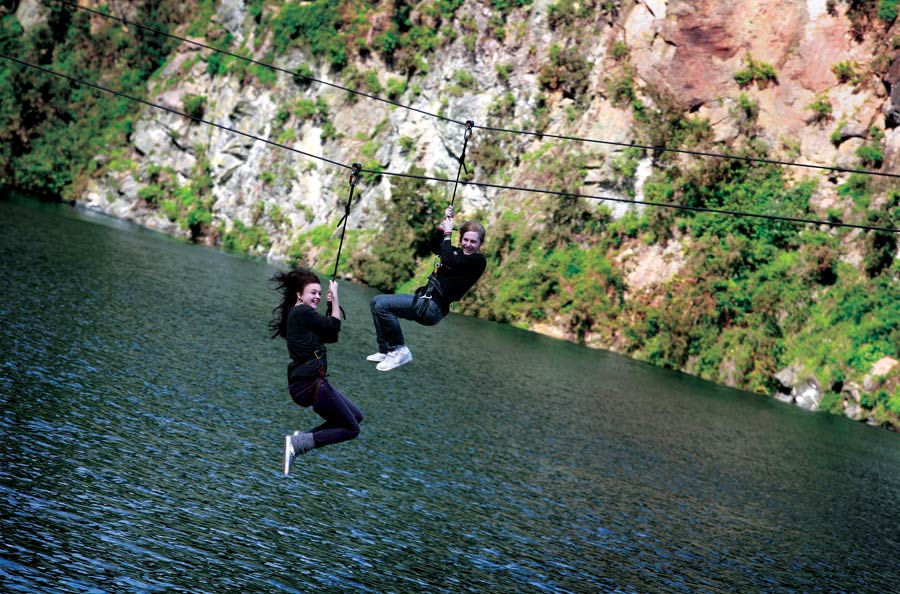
[307, 333]
[457, 272]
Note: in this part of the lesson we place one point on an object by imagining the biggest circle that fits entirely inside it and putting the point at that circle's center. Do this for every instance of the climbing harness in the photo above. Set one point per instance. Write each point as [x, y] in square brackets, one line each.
[315, 371]
[321, 373]
[423, 296]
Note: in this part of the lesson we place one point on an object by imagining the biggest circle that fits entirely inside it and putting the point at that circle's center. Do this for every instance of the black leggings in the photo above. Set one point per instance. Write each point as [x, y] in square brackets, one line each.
[342, 417]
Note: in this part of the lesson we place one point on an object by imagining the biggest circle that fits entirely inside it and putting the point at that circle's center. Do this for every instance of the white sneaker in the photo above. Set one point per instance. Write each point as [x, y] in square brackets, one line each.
[377, 357]
[396, 358]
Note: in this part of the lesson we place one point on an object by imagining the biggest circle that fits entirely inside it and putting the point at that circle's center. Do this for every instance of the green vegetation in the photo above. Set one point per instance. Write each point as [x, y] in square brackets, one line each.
[620, 88]
[625, 164]
[757, 72]
[465, 79]
[409, 218]
[566, 71]
[503, 106]
[191, 205]
[53, 129]
[316, 24]
[217, 64]
[619, 50]
[504, 6]
[395, 88]
[243, 239]
[870, 155]
[195, 105]
[309, 109]
[845, 71]
[748, 300]
[821, 108]
[567, 14]
[746, 113]
[887, 10]
[338, 30]
[407, 144]
[489, 155]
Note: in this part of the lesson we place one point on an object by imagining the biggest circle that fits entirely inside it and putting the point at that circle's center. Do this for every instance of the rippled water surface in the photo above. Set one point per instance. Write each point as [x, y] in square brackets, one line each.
[142, 409]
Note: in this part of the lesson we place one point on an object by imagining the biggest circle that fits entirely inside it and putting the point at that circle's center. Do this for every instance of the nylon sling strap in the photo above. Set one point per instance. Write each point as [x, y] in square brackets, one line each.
[462, 165]
[354, 179]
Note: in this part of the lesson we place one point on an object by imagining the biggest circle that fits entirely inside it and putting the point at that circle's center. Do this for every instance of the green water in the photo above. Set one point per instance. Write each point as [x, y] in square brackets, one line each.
[142, 409]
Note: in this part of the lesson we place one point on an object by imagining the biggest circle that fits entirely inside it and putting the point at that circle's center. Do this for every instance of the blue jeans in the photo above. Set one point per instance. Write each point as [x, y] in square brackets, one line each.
[386, 313]
[342, 417]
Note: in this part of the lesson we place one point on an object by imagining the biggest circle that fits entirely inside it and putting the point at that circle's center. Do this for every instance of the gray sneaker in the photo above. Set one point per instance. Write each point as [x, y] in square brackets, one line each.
[296, 444]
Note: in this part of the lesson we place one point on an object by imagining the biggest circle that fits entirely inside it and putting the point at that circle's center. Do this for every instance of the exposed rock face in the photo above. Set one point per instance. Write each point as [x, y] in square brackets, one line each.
[892, 82]
[808, 395]
[29, 13]
[693, 50]
[884, 366]
[652, 264]
[803, 390]
[688, 49]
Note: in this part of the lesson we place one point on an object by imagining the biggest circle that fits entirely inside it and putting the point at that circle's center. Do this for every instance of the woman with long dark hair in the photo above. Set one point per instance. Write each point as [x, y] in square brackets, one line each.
[306, 331]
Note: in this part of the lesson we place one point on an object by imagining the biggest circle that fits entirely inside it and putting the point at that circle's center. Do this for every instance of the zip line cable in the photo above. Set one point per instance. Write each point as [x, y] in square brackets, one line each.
[722, 211]
[473, 183]
[487, 128]
[696, 153]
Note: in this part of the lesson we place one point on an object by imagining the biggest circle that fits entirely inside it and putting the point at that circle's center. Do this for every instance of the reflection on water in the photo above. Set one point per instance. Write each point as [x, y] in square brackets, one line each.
[143, 407]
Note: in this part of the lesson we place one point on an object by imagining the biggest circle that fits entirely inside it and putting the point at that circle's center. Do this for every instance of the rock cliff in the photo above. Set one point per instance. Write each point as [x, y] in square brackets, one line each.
[685, 50]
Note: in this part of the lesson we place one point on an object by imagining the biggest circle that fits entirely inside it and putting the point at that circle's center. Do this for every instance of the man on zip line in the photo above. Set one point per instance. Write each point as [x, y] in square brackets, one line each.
[459, 269]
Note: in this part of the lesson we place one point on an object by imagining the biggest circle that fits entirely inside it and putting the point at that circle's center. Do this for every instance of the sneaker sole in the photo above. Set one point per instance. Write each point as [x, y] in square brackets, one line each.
[380, 368]
[286, 455]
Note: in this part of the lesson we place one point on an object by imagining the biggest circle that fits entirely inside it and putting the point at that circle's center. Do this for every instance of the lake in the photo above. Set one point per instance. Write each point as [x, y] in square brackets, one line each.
[144, 407]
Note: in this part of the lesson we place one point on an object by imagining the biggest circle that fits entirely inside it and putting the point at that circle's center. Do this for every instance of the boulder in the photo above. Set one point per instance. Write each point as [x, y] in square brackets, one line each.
[786, 378]
[884, 366]
[805, 392]
[808, 395]
[30, 13]
[881, 368]
[892, 106]
[850, 397]
[230, 15]
[855, 412]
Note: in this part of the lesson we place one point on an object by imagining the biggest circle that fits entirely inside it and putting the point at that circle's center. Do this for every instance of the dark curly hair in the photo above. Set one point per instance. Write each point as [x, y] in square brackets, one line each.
[288, 284]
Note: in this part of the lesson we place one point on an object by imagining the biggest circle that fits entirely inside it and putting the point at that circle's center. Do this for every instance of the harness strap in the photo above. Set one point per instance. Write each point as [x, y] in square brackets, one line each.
[321, 372]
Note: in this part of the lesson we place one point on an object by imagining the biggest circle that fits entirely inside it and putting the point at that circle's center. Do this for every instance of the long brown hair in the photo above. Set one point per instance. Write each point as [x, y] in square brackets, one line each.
[288, 284]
